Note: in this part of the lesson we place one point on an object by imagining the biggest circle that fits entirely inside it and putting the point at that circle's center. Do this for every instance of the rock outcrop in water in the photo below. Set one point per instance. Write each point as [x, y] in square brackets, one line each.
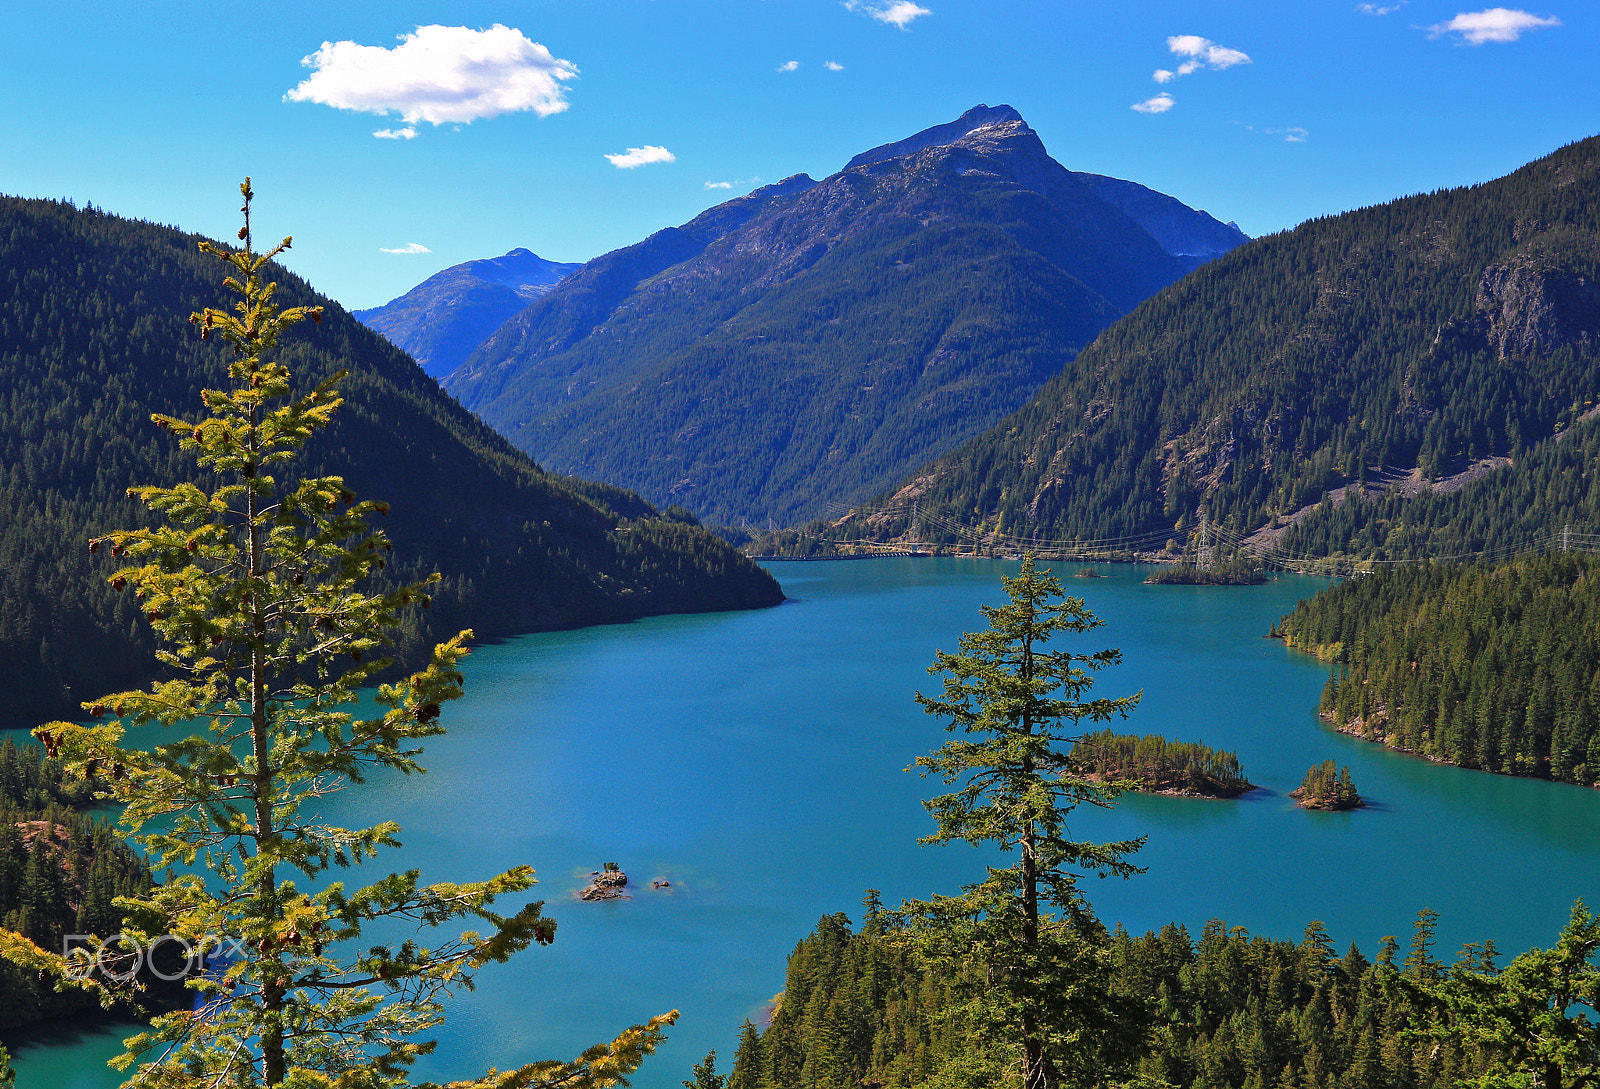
[605, 884]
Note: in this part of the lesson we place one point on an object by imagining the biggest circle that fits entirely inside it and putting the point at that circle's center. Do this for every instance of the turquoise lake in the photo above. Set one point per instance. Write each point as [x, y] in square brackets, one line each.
[756, 761]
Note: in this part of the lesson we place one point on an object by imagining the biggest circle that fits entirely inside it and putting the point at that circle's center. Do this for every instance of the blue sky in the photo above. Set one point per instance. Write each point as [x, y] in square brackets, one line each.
[573, 127]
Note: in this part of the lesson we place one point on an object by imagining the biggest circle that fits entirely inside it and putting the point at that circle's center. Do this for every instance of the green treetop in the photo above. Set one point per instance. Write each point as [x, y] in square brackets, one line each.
[1535, 1021]
[1037, 980]
[255, 586]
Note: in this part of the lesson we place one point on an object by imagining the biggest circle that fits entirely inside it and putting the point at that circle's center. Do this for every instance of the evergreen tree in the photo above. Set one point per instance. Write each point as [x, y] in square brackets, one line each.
[1233, 1010]
[705, 1074]
[1038, 981]
[748, 1061]
[256, 589]
[1153, 763]
[1486, 665]
[1529, 1019]
[94, 338]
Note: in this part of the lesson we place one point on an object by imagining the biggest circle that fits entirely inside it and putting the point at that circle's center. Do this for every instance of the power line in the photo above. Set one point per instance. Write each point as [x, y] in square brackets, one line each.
[1212, 536]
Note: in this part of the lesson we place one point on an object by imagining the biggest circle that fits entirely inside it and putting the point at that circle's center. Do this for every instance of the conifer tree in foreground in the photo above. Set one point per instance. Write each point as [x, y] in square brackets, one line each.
[255, 587]
[1036, 982]
[1534, 1021]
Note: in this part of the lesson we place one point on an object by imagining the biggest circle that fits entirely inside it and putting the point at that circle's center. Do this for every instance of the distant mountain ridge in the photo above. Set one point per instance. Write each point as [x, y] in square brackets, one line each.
[443, 319]
[1181, 231]
[812, 341]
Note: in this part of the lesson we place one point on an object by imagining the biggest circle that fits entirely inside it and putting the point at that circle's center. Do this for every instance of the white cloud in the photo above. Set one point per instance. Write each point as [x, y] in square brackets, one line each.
[898, 13]
[639, 156]
[439, 74]
[1380, 9]
[407, 133]
[1164, 75]
[1202, 53]
[409, 247]
[1293, 134]
[788, 66]
[832, 66]
[719, 185]
[1161, 103]
[1493, 25]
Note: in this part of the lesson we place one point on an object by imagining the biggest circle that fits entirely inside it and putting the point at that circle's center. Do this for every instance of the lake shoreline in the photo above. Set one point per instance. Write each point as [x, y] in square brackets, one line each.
[758, 759]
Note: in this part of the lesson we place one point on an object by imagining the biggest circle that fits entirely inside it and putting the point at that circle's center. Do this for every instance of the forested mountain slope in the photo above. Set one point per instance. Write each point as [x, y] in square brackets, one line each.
[1417, 335]
[94, 336]
[442, 320]
[1549, 489]
[815, 341]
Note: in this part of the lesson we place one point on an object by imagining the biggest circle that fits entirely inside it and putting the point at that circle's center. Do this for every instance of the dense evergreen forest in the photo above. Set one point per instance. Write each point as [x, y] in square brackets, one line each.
[1532, 501]
[1487, 665]
[60, 869]
[1424, 334]
[1227, 1010]
[1158, 764]
[916, 999]
[94, 337]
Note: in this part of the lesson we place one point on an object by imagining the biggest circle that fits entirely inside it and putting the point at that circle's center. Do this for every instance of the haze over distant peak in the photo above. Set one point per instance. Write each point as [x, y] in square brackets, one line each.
[522, 270]
[1181, 230]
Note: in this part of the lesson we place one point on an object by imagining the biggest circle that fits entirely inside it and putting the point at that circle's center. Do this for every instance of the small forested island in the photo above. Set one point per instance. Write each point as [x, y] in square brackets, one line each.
[1159, 766]
[1494, 666]
[1327, 787]
[1232, 573]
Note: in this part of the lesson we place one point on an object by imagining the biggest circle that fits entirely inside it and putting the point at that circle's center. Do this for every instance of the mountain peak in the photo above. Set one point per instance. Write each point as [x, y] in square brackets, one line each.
[997, 120]
[442, 319]
[521, 270]
[817, 340]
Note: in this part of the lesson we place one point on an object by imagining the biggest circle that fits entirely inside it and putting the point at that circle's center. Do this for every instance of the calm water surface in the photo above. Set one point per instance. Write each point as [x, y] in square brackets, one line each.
[755, 760]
